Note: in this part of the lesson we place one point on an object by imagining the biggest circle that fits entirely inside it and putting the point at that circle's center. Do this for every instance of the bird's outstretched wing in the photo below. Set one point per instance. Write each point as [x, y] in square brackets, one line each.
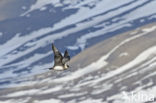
[66, 57]
[57, 55]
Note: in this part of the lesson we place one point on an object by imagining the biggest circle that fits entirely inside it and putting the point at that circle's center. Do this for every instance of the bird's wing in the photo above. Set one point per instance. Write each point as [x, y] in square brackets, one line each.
[66, 57]
[57, 55]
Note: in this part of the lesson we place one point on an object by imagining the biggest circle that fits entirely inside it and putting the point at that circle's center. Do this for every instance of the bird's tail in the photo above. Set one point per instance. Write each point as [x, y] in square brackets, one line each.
[50, 68]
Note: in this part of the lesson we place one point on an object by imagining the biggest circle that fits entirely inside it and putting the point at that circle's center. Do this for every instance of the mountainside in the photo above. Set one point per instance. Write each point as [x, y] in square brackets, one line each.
[25, 40]
[108, 72]
[114, 55]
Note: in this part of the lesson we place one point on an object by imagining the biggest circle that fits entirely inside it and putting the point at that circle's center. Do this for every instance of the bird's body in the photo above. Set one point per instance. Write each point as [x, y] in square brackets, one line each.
[60, 62]
[58, 68]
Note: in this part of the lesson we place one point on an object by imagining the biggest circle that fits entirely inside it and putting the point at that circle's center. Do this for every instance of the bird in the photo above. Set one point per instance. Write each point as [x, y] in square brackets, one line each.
[60, 62]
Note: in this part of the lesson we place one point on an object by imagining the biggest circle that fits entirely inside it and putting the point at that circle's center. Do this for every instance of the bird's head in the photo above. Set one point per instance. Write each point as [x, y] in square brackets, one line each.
[66, 66]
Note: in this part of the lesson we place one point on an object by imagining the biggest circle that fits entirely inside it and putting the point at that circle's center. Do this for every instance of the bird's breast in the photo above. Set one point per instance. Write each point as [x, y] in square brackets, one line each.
[58, 68]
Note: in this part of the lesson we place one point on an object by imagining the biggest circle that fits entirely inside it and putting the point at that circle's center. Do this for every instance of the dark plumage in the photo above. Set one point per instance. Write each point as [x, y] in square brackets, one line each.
[59, 60]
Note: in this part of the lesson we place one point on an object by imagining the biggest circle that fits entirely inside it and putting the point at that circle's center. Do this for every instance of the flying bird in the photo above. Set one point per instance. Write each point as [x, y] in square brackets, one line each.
[60, 62]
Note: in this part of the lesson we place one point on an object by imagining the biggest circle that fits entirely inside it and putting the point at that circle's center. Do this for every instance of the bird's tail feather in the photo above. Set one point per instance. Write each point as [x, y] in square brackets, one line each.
[50, 68]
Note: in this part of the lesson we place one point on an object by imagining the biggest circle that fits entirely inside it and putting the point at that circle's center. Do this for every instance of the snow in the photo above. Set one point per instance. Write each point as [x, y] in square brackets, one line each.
[141, 11]
[72, 95]
[149, 29]
[90, 100]
[103, 89]
[72, 47]
[24, 7]
[1, 34]
[48, 101]
[54, 89]
[139, 59]
[81, 42]
[43, 8]
[83, 71]
[113, 16]
[136, 96]
[16, 101]
[123, 54]
[101, 63]
[40, 4]
[21, 93]
[21, 40]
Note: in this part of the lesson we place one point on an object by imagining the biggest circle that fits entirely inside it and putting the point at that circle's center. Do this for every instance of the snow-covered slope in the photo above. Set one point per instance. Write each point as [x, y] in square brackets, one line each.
[25, 40]
[25, 48]
[120, 69]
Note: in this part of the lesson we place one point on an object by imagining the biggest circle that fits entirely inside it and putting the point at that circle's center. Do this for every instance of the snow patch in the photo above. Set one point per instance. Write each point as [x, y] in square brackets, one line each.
[48, 101]
[1, 34]
[123, 54]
